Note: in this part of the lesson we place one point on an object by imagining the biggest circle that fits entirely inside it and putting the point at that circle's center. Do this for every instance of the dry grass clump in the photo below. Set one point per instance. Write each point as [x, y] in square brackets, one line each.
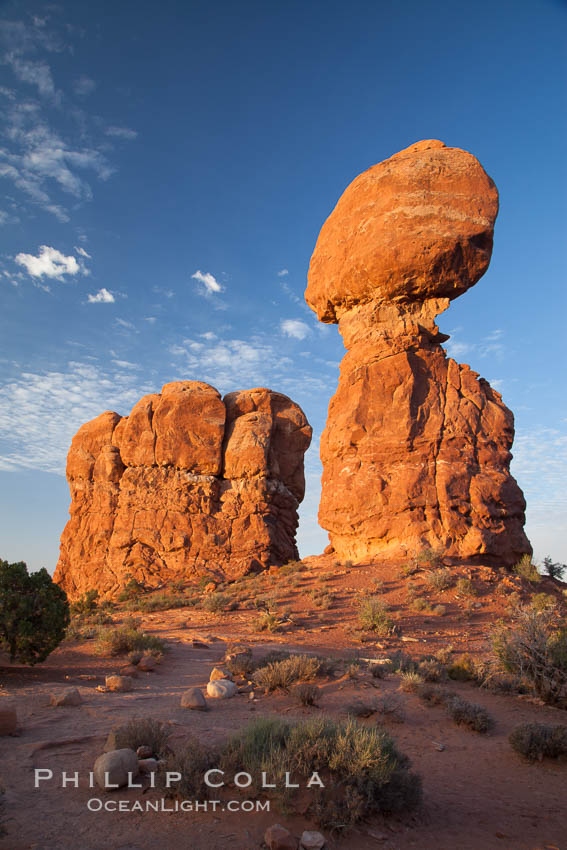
[216, 603]
[268, 621]
[543, 602]
[432, 694]
[440, 579]
[465, 587]
[467, 714]
[364, 772]
[144, 731]
[534, 648]
[431, 670]
[307, 694]
[119, 640]
[373, 616]
[410, 682]
[463, 669]
[536, 741]
[281, 674]
[322, 598]
[526, 569]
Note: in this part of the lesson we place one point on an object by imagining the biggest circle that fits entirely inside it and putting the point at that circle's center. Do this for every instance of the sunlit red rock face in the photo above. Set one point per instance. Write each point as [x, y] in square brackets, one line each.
[188, 483]
[416, 450]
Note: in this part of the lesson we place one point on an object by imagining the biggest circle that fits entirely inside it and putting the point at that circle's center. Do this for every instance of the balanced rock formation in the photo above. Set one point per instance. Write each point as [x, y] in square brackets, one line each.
[188, 483]
[416, 449]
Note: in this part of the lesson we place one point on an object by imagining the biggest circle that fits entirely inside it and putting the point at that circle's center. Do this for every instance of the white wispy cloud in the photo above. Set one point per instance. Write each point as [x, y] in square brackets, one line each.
[121, 132]
[295, 328]
[490, 345]
[37, 74]
[83, 86]
[49, 263]
[283, 272]
[82, 253]
[209, 282]
[103, 296]
[41, 411]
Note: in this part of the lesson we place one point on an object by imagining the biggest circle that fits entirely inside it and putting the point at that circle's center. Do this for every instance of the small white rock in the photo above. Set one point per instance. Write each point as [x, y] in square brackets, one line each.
[311, 840]
[112, 768]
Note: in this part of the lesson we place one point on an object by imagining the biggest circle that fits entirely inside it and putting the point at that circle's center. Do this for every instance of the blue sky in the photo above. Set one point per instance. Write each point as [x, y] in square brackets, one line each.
[176, 162]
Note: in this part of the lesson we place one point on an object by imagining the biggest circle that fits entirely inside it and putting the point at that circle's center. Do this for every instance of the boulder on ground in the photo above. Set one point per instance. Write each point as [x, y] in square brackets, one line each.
[194, 699]
[277, 837]
[146, 766]
[144, 752]
[147, 663]
[221, 689]
[68, 696]
[115, 768]
[311, 840]
[119, 683]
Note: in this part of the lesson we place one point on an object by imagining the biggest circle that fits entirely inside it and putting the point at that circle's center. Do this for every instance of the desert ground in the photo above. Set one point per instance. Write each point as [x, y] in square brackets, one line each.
[477, 792]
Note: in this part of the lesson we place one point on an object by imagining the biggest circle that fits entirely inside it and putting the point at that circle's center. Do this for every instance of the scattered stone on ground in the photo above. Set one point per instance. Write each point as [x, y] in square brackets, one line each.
[277, 837]
[111, 769]
[119, 683]
[68, 696]
[194, 698]
[221, 689]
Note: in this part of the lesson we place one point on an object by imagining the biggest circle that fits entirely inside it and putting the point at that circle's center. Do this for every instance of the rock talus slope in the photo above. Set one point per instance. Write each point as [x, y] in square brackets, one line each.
[416, 449]
[188, 483]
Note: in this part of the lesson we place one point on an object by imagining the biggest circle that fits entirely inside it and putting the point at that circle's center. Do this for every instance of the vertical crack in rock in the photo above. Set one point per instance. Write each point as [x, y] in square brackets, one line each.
[188, 483]
[416, 449]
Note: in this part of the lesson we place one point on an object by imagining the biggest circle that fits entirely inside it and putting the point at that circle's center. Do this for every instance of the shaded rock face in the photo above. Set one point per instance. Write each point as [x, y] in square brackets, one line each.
[416, 449]
[188, 483]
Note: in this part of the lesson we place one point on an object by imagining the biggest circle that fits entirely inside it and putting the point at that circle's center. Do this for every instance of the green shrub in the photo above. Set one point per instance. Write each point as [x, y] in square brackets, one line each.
[282, 674]
[119, 640]
[85, 604]
[291, 567]
[131, 590]
[526, 569]
[552, 569]
[373, 616]
[428, 557]
[465, 587]
[536, 741]
[462, 669]
[543, 602]
[215, 603]
[364, 773]
[440, 579]
[34, 613]
[465, 713]
[162, 601]
[144, 731]
[534, 648]
[431, 670]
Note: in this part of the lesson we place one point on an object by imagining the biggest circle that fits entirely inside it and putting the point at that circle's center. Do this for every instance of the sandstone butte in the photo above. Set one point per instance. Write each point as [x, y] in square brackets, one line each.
[416, 448]
[189, 483]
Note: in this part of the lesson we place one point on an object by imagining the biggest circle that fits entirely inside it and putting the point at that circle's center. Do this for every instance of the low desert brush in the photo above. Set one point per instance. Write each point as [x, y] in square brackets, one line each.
[536, 741]
[216, 603]
[144, 731]
[307, 694]
[465, 587]
[467, 714]
[191, 763]
[373, 616]
[525, 568]
[440, 579]
[432, 694]
[534, 648]
[118, 640]
[282, 674]
[410, 682]
[365, 774]
[462, 669]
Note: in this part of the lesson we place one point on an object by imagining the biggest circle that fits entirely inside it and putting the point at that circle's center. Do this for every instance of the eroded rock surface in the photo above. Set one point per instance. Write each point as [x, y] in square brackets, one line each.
[188, 483]
[416, 449]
